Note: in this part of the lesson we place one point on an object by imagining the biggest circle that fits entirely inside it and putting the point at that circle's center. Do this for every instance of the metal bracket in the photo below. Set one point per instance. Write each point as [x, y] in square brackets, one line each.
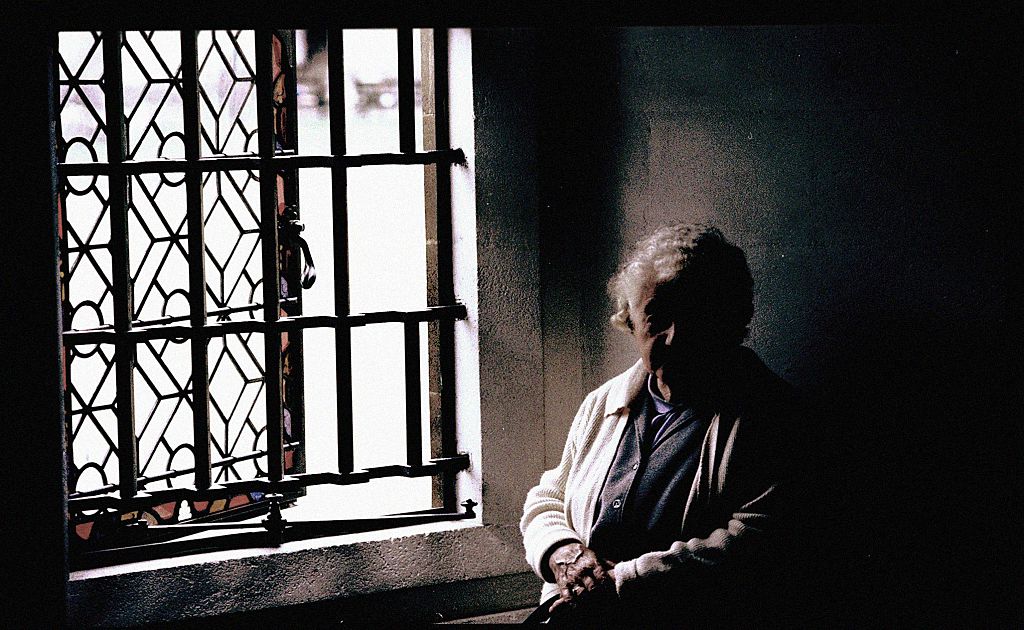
[275, 524]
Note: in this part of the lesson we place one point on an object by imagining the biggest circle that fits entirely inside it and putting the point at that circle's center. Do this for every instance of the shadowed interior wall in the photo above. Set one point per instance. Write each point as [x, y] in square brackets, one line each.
[856, 167]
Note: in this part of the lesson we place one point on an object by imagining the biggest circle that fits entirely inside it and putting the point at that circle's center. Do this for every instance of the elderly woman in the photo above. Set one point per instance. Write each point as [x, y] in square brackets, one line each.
[670, 477]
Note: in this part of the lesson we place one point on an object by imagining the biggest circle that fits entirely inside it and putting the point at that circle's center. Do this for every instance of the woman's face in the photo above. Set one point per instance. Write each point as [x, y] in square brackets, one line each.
[672, 337]
[654, 329]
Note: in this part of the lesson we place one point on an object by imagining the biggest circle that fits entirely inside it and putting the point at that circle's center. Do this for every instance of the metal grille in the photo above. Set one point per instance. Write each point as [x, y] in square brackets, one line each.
[182, 275]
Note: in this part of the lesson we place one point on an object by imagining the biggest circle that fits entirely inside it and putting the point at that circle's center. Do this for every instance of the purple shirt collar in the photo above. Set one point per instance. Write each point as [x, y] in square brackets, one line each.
[660, 404]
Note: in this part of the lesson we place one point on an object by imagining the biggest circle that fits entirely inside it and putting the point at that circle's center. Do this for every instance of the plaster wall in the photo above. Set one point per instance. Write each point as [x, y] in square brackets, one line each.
[837, 157]
[511, 357]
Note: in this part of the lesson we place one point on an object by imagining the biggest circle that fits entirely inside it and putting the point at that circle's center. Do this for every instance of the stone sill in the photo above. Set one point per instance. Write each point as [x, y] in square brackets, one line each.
[322, 572]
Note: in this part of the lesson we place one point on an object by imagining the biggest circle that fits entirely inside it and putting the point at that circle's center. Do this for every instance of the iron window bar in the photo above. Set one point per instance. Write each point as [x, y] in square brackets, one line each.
[277, 153]
[285, 324]
[268, 138]
[198, 312]
[440, 140]
[339, 204]
[288, 483]
[216, 313]
[254, 162]
[406, 93]
[75, 497]
[120, 269]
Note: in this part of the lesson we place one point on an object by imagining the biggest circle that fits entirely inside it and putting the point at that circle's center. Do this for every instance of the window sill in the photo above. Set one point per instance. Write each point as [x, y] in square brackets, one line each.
[295, 573]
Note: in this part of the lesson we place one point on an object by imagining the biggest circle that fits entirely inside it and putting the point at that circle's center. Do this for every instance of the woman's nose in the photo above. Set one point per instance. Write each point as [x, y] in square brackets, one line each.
[669, 333]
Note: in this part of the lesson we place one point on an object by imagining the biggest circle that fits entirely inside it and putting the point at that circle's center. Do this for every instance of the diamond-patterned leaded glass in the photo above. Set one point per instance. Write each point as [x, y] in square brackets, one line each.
[81, 101]
[87, 280]
[234, 261]
[93, 424]
[139, 102]
[238, 421]
[151, 81]
[163, 408]
[227, 91]
[158, 246]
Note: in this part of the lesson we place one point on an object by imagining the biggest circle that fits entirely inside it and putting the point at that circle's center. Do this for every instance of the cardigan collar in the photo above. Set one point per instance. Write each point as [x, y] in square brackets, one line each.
[625, 388]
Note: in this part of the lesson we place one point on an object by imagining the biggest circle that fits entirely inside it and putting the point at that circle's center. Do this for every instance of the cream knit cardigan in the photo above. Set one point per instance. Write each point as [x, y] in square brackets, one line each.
[728, 514]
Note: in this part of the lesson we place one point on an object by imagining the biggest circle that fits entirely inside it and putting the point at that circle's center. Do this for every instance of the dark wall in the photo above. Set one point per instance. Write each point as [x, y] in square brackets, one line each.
[864, 170]
[30, 371]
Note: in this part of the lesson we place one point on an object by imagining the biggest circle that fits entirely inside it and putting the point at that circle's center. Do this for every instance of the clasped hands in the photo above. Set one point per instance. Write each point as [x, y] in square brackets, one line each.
[581, 575]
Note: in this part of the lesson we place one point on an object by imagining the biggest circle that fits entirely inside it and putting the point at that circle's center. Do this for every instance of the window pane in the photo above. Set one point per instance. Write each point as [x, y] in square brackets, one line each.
[158, 246]
[366, 500]
[387, 238]
[321, 401]
[371, 87]
[238, 408]
[378, 395]
[163, 411]
[81, 100]
[151, 79]
[234, 256]
[227, 92]
[371, 90]
[293, 352]
[315, 212]
[87, 278]
[283, 69]
[312, 88]
[425, 393]
[91, 395]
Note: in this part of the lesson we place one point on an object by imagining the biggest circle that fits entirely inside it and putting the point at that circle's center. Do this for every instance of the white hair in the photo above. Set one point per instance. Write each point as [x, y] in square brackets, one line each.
[714, 267]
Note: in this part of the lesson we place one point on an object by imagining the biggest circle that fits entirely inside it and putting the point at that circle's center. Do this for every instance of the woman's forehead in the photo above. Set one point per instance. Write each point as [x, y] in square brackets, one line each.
[654, 295]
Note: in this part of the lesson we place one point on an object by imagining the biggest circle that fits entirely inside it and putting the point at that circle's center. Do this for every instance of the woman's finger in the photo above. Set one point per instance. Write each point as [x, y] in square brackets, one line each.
[572, 575]
[561, 601]
[587, 560]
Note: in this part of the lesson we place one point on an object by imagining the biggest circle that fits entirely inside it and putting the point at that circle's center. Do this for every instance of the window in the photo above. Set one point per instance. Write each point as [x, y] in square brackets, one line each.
[201, 342]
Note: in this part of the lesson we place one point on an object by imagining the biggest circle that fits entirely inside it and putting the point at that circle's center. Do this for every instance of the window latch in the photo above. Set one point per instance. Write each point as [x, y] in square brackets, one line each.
[292, 228]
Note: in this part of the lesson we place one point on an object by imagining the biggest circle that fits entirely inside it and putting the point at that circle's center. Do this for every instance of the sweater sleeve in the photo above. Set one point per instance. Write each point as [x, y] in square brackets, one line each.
[544, 523]
[723, 549]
